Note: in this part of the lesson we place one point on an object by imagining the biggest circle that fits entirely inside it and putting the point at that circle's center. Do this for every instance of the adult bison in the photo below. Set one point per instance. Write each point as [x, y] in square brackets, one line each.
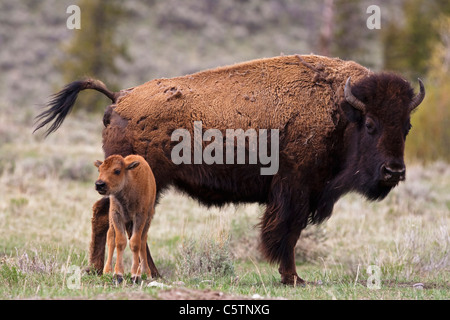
[341, 128]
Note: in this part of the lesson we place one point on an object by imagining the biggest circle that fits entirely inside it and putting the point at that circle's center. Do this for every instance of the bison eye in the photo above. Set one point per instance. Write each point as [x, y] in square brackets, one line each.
[117, 172]
[370, 125]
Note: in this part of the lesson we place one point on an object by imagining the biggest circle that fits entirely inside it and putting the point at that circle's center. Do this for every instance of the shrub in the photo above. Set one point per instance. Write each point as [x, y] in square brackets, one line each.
[199, 259]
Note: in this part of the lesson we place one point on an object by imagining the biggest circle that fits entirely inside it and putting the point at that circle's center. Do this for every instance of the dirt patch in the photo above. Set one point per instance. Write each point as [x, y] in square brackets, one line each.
[125, 296]
[192, 294]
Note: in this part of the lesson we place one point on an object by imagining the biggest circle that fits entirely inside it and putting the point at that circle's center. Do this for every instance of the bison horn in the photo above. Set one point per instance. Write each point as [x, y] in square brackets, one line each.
[350, 98]
[418, 98]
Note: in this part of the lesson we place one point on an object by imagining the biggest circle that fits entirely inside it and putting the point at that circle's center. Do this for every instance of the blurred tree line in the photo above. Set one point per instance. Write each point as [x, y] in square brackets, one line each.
[418, 45]
[94, 49]
[413, 41]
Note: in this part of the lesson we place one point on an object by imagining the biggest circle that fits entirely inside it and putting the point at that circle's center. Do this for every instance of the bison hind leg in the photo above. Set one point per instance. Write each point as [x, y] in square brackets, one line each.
[100, 226]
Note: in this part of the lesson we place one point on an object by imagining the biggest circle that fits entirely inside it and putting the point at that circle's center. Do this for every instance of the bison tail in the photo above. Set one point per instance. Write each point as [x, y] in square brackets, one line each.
[62, 103]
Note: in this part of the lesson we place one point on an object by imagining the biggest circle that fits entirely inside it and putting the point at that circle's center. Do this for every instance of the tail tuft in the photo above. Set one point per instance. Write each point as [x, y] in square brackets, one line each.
[62, 103]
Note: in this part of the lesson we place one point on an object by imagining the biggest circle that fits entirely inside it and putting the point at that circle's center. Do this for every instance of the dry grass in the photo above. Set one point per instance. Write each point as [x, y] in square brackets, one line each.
[407, 233]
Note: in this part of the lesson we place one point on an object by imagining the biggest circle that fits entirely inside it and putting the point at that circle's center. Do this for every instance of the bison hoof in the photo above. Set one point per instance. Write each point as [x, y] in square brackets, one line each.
[118, 279]
[292, 280]
[91, 270]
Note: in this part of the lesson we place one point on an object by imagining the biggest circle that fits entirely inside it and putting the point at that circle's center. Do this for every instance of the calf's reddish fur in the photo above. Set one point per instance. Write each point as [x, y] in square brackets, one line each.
[131, 187]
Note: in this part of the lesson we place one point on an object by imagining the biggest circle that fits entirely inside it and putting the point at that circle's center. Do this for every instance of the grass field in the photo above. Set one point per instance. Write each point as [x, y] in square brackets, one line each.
[45, 210]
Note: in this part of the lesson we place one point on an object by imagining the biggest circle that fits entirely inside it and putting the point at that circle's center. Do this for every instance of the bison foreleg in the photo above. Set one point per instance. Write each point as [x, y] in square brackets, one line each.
[281, 225]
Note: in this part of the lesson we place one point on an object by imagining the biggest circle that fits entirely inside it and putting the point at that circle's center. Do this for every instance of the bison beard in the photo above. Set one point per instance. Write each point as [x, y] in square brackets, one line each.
[331, 140]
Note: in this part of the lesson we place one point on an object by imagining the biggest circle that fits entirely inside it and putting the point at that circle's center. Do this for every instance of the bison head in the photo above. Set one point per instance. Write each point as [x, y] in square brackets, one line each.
[378, 109]
[112, 171]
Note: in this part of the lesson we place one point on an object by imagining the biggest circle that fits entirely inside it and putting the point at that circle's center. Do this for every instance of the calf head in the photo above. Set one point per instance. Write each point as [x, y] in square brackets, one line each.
[113, 174]
[378, 108]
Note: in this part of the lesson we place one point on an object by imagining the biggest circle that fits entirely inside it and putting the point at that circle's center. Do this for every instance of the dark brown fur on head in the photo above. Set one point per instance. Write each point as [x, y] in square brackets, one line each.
[385, 95]
[374, 140]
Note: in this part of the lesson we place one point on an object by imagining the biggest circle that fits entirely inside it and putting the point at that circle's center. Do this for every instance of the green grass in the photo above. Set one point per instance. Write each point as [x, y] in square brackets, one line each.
[45, 212]
[37, 278]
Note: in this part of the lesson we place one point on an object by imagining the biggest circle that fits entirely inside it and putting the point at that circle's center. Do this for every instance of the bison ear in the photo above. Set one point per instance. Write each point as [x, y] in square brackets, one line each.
[98, 163]
[133, 165]
[352, 114]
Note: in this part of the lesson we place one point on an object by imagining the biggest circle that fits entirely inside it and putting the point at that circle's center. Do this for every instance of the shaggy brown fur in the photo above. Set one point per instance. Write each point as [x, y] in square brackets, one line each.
[267, 93]
[327, 146]
[131, 188]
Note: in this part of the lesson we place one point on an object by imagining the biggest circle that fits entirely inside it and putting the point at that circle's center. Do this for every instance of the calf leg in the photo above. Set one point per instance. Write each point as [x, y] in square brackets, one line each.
[144, 267]
[121, 243]
[100, 225]
[137, 245]
[153, 269]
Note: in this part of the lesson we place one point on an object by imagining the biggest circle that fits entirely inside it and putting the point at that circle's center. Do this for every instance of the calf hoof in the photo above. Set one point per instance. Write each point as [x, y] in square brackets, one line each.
[292, 280]
[135, 279]
[118, 279]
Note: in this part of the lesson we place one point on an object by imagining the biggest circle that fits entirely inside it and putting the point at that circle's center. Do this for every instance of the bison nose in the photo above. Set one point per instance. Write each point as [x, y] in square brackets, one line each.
[100, 185]
[393, 172]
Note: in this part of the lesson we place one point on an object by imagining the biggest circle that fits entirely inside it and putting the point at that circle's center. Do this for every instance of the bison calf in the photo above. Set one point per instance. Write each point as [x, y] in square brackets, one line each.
[131, 187]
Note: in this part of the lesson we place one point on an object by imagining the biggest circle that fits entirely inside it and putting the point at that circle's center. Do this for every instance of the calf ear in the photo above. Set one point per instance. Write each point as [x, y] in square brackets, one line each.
[132, 165]
[98, 163]
[352, 114]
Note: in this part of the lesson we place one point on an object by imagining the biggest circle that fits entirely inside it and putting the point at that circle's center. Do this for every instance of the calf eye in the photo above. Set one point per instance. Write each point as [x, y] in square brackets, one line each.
[117, 172]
